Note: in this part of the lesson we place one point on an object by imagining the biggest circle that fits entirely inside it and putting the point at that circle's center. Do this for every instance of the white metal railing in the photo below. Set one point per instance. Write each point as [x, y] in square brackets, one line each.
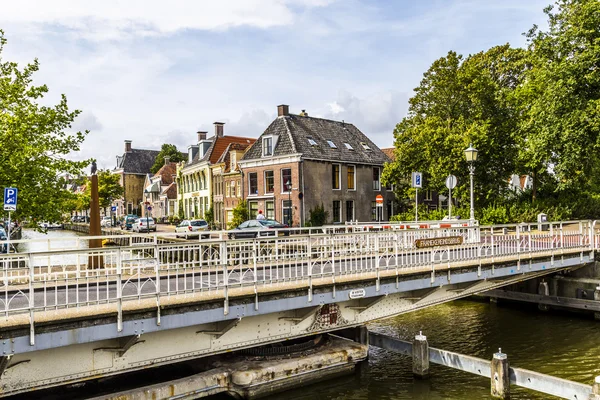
[154, 267]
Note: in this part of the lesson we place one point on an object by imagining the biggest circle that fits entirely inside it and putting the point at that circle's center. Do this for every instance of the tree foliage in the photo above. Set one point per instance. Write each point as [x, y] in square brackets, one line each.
[34, 141]
[532, 111]
[240, 214]
[167, 150]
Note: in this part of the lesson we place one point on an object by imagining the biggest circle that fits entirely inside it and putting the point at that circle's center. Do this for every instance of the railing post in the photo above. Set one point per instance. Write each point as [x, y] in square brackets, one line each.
[119, 291]
[420, 355]
[31, 299]
[500, 377]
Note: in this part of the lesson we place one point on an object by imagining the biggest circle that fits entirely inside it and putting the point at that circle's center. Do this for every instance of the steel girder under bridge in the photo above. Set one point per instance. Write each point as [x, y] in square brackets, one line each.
[154, 304]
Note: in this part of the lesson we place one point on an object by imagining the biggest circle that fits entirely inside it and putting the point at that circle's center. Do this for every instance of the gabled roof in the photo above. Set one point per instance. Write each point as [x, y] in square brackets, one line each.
[218, 146]
[138, 161]
[166, 173]
[389, 151]
[226, 158]
[294, 131]
[170, 191]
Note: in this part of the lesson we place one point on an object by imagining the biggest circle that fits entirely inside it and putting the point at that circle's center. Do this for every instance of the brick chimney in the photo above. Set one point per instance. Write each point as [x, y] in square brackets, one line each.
[128, 146]
[219, 129]
[282, 110]
[202, 135]
[167, 160]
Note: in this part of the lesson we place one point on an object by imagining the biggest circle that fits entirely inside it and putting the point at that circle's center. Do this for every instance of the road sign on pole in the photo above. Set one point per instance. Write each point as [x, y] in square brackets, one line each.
[450, 184]
[417, 182]
[10, 199]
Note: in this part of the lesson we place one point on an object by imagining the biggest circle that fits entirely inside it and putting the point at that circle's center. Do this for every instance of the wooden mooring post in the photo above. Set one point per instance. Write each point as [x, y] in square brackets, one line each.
[500, 376]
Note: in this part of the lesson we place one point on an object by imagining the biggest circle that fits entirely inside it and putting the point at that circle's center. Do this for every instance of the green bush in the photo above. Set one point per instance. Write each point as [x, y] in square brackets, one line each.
[317, 216]
[240, 214]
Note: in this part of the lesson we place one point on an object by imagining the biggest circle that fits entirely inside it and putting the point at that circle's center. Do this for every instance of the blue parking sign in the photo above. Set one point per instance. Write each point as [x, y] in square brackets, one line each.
[10, 199]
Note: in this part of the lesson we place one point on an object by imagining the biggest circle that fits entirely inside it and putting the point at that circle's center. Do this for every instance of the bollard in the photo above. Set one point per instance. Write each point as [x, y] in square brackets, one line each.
[597, 298]
[500, 379]
[543, 290]
[595, 389]
[420, 353]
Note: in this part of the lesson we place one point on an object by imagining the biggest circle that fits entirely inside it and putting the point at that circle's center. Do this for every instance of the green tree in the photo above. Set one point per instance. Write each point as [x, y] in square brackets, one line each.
[561, 97]
[167, 150]
[317, 216]
[35, 140]
[240, 214]
[461, 101]
[109, 188]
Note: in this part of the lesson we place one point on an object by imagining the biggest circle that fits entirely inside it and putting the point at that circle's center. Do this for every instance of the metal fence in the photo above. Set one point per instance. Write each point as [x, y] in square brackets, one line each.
[66, 273]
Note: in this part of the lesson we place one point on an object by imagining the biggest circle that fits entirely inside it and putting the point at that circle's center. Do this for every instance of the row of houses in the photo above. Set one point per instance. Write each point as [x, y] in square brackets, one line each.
[298, 163]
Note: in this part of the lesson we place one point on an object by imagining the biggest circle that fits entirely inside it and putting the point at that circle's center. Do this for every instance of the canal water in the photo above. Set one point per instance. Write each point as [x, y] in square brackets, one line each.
[560, 344]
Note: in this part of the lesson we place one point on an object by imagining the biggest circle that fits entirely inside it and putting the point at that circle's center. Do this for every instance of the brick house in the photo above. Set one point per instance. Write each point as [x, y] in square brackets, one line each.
[301, 162]
[195, 177]
[227, 182]
[132, 166]
[160, 190]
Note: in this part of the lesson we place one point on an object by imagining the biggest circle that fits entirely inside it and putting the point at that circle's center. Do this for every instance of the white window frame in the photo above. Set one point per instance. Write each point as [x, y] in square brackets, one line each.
[348, 146]
[365, 146]
[379, 181]
[354, 166]
[283, 185]
[339, 176]
[265, 140]
[265, 179]
[333, 213]
[311, 141]
[353, 209]
[250, 186]
[331, 144]
[428, 195]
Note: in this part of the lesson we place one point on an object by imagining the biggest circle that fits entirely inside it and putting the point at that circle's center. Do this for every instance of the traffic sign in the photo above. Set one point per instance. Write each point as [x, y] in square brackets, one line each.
[451, 182]
[417, 180]
[379, 199]
[113, 208]
[10, 199]
[149, 208]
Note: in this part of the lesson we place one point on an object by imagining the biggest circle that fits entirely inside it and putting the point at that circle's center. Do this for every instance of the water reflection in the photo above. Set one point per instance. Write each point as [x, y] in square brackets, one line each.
[558, 344]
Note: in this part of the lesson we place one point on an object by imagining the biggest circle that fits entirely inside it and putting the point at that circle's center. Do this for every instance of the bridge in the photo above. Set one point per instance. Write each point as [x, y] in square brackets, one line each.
[71, 313]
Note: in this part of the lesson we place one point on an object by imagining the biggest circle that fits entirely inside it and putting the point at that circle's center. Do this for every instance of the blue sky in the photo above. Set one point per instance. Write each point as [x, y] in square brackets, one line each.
[156, 72]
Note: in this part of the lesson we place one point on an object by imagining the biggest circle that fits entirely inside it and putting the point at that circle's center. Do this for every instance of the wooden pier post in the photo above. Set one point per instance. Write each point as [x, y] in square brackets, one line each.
[420, 354]
[500, 376]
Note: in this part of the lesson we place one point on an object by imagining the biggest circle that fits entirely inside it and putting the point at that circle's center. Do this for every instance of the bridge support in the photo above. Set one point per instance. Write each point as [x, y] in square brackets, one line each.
[597, 298]
[500, 376]
[543, 290]
[420, 353]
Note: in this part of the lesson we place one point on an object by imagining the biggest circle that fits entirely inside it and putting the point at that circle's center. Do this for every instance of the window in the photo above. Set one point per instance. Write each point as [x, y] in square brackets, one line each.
[267, 144]
[227, 190]
[337, 212]
[269, 182]
[428, 195]
[331, 144]
[253, 208]
[233, 157]
[348, 146]
[335, 176]
[287, 212]
[349, 210]
[238, 185]
[312, 142]
[365, 146]
[253, 183]
[286, 176]
[270, 209]
[351, 177]
[389, 187]
[376, 179]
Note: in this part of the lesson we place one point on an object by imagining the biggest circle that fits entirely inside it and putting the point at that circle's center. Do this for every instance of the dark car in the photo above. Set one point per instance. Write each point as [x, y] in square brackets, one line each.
[3, 237]
[129, 220]
[259, 228]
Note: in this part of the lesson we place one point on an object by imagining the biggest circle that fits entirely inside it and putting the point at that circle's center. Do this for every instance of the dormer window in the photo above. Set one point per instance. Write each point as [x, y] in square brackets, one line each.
[348, 146]
[365, 146]
[331, 144]
[312, 142]
[267, 146]
[233, 156]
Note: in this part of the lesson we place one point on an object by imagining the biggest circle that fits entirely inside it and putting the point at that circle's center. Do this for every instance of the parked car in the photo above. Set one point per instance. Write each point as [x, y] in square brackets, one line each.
[188, 228]
[106, 221]
[50, 225]
[129, 220]
[258, 228]
[3, 236]
[144, 225]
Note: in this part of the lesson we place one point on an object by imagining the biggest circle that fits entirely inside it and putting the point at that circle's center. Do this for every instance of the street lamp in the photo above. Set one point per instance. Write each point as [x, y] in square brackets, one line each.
[471, 156]
[288, 184]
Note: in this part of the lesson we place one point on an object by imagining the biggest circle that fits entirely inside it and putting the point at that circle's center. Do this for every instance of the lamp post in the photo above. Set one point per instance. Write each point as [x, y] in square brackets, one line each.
[289, 189]
[471, 156]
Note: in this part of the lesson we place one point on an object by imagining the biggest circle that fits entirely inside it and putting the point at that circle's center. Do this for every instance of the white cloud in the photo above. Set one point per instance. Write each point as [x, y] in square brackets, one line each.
[110, 19]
